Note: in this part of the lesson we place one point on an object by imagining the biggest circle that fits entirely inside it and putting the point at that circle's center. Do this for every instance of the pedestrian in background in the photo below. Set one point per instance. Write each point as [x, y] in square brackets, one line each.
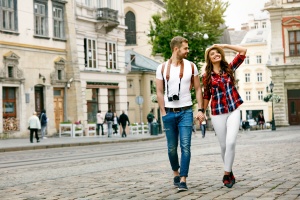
[115, 123]
[123, 120]
[44, 121]
[177, 76]
[34, 125]
[109, 118]
[203, 127]
[150, 118]
[219, 87]
[261, 120]
[100, 121]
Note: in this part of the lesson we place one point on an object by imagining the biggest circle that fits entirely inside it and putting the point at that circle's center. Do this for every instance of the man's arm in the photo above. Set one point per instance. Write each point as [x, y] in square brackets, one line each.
[160, 96]
[199, 97]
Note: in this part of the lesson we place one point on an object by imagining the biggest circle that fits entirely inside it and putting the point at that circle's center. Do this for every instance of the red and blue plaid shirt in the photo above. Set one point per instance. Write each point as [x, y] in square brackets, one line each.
[223, 94]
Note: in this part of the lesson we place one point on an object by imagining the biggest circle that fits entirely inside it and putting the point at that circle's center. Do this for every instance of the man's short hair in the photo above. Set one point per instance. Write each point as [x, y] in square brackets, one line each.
[177, 42]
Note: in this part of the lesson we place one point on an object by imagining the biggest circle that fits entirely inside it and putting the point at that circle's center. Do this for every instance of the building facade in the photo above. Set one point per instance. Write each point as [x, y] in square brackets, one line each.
[138, 14]
[253, 76]
[36, 63]
[100, 51]
[284, 61]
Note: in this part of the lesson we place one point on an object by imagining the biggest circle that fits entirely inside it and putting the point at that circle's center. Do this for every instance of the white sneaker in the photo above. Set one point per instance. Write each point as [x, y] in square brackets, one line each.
[44, 137]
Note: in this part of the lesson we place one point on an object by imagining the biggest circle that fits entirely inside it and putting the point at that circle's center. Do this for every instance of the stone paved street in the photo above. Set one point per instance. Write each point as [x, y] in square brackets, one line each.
[267, 166]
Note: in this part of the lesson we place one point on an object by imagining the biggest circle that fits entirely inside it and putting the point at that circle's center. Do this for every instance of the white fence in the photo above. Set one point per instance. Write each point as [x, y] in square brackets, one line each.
[74, 130]
[138, 129]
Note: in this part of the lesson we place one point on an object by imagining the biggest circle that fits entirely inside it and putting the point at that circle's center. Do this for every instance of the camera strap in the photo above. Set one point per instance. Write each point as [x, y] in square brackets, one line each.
[180, 74]
[168, 75]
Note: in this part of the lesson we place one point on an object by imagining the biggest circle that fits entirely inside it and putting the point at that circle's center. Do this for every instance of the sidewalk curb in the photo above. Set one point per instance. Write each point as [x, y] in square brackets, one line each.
[50, 146]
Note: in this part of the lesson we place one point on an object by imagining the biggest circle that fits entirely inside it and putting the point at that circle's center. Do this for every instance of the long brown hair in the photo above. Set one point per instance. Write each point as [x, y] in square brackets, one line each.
[224, 66]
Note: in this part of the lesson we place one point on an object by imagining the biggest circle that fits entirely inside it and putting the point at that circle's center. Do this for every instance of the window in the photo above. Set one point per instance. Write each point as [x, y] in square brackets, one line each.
[152, 87]
[256, 25]
[247, 77]
[9, 102]
[59, 75]
[130, 33]
[90, 55]
[260, 95]
[258, 59]
[58, 22]
[264, 25]
[259, 77]
[111, 100]
[8, 15]
[294, 43]
[109, 3]
[247, 61]
[40, 18]
[248, 96]
[99, 4]
[88, 3]
[10, 72]
[111, 57]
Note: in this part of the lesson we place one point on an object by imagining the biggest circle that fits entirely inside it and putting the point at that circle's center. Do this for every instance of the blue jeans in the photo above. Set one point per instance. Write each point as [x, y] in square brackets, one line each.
[109, 128]
[203, 129]
[178, 126]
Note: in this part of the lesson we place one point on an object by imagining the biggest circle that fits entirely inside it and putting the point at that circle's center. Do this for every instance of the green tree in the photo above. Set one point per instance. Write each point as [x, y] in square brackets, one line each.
[190, 19]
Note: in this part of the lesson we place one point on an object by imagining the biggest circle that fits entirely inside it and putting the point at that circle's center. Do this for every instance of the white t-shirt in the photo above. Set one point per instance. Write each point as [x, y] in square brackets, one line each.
[173, 83]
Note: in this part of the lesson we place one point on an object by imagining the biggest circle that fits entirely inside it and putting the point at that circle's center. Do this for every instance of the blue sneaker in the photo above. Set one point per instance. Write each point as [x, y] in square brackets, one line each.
[182, 186]
[176, 181]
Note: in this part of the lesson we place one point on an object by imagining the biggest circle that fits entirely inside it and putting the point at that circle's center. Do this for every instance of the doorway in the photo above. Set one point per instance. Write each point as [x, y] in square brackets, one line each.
[294, 107]
[58, 94]
[39, 99]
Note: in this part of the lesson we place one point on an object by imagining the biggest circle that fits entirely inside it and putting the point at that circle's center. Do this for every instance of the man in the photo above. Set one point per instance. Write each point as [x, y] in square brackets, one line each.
[150, 118]
[34, 125]
[177, 75]
[109, 117]
[100, 121]
[123, 119]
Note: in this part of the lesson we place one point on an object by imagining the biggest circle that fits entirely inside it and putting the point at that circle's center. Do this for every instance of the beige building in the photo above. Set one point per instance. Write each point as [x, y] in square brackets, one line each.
[100, 52]
[36, 64]
[284, 59]
[138, 14]
[253, 76]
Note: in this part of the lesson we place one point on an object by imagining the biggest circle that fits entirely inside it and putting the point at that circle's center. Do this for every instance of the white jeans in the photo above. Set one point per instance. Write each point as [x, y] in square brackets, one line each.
[226, 127]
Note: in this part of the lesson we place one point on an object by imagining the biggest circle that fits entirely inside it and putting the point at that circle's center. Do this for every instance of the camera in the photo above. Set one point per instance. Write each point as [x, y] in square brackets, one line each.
[175, 97]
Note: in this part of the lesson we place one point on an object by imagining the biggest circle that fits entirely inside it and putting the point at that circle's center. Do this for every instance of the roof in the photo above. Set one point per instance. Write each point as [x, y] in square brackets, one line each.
[253, 36]
[141, 63]
[236, 37]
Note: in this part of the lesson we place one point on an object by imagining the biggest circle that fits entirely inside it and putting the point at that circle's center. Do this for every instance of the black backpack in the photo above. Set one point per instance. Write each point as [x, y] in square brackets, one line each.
[109, 116]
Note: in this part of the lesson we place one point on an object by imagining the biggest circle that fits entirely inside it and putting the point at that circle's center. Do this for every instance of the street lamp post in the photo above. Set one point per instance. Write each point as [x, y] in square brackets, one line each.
[273, 120]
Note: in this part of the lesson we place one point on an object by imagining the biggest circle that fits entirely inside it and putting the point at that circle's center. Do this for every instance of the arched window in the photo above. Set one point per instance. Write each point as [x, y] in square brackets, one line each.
[130, 33]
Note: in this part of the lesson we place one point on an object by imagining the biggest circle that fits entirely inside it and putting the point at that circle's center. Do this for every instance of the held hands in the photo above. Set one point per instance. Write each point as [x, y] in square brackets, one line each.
[200, 116]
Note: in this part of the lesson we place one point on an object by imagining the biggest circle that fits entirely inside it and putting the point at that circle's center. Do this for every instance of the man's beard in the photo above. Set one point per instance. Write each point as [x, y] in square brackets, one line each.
[181, 56]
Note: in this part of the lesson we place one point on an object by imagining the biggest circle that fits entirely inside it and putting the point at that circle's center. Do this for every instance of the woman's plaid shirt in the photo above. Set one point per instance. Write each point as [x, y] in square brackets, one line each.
[225, 97]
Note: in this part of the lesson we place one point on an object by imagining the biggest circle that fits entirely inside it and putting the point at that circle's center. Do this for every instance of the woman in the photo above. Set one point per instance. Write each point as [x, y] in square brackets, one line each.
[115, 123]
[219, 87]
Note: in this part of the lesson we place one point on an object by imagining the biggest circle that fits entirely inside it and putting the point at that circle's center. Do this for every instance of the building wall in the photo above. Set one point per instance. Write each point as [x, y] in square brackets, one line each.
[284, 17]
[33, 55]
[88, 26]
[143, 10]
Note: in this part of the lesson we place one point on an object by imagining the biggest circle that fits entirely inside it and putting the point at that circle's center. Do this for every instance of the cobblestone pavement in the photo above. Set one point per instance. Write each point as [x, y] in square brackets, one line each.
[267, 166]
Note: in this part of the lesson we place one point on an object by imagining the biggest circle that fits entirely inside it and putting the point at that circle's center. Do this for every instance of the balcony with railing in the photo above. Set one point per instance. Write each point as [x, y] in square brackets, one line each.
[107, 18]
